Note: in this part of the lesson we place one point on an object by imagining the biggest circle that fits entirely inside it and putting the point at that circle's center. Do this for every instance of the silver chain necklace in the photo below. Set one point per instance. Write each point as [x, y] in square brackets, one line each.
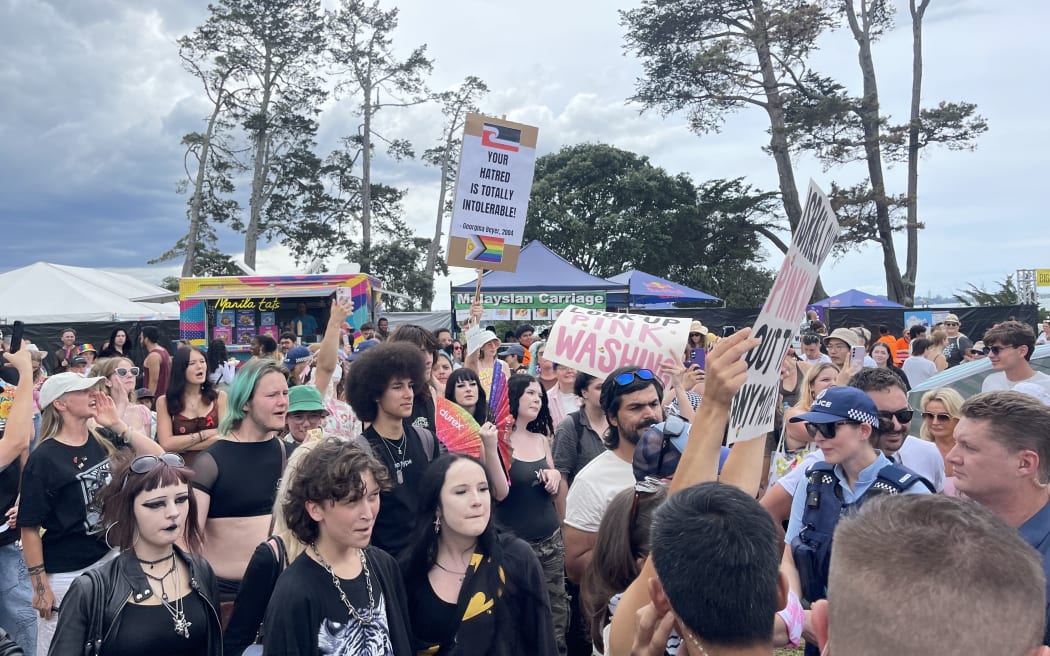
[177, 608]
[362, 617]
[399, 463]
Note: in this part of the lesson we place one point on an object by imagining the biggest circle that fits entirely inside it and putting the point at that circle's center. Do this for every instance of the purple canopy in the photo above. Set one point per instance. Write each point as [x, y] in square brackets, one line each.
[648, 290]
[853, 298]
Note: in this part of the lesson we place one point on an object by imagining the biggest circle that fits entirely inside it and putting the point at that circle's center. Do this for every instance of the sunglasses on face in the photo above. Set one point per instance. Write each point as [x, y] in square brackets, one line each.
[628, 377]
[950, 323]
[124, 371]
[903, 416]
[929, 416]
[994, 350]
[146, 464]
[827, 430]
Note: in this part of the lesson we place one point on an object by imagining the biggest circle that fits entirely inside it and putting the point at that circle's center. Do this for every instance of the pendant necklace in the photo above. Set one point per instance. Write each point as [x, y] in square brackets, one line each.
[151, 563]
[399, 463]
[176, 609]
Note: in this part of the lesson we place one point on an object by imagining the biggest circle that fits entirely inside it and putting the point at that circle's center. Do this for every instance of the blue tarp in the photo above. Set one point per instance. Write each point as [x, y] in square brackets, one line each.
[653, 292]
[854, 298]
[541, 270]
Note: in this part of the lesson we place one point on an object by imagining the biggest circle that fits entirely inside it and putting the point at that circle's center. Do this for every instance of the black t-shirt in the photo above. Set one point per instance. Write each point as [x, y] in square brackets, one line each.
[307, 616]
[58, 493]
[9, 477]
[397, 508]
[240, 477]
[955, 350]
[150, 630]
[423, 411]
[436, 620]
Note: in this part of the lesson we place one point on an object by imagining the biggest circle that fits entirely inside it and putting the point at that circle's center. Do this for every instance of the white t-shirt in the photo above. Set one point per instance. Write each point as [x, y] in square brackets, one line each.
[821, 359]
[918, 370]
[594, 488]
[998, 382]
[916, 454]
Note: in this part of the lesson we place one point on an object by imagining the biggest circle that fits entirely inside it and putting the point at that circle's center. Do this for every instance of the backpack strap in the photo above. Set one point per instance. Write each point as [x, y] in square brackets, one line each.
[93, 646]
[578, 423]
[430, 443]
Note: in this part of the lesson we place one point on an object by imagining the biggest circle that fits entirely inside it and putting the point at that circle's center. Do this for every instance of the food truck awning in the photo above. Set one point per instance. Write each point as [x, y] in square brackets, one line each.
[287, 291]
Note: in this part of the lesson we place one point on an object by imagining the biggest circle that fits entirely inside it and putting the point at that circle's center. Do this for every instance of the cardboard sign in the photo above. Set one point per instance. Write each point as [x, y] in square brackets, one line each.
[597, 342]
[496, 166]
[754, 406]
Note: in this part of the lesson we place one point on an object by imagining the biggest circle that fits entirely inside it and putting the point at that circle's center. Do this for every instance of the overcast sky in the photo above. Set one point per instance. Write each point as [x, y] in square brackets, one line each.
[94, 104]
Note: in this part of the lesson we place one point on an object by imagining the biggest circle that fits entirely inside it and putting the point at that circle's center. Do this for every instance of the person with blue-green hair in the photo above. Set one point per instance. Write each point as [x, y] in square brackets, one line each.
[236, 478]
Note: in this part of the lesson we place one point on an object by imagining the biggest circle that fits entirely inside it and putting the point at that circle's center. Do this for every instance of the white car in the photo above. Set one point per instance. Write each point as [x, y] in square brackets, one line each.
[966, 379]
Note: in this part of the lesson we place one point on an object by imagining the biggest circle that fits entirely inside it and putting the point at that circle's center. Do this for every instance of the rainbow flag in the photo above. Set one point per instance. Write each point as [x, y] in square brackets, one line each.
[486, 249]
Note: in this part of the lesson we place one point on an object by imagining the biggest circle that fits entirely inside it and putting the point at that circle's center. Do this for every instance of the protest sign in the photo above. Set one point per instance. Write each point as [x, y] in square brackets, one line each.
[496, 166]
[598, 342]
[755, 404]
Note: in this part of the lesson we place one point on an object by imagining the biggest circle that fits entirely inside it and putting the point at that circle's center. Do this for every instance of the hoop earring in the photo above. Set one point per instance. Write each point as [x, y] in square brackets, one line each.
[105, 536]
[437, 524]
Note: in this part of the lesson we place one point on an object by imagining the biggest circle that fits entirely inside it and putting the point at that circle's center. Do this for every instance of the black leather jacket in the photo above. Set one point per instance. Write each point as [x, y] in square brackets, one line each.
[124, 581]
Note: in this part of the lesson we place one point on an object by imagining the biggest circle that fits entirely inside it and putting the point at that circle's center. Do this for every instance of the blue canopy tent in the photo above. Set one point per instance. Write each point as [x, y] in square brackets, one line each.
[541, 275]
[652, 292]
[854, 298]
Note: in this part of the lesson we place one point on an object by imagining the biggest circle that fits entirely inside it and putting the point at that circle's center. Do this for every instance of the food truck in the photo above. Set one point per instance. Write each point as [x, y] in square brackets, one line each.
[237, 308]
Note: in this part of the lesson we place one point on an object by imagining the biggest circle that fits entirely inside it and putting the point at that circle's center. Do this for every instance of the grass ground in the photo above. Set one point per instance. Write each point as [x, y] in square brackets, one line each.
[789, 652]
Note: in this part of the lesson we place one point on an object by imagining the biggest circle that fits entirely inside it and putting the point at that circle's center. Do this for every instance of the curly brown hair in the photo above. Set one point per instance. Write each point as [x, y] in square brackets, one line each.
[332, 471]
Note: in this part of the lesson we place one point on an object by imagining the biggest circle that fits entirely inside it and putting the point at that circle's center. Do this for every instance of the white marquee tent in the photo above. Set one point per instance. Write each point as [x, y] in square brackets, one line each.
[56, 293]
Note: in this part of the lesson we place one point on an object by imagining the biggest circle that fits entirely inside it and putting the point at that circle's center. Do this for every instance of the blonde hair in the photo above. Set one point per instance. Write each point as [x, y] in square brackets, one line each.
[51, 425]
[106, 367]
[952, 401]
[938, 338]
[805, 393]
[292, 544]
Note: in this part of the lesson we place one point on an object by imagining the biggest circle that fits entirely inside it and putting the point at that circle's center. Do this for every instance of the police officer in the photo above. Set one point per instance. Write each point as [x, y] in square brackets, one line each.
[842, 421]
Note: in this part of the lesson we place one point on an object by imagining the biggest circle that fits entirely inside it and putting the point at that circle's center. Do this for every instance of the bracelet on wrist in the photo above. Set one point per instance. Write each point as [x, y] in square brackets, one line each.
[33, 571]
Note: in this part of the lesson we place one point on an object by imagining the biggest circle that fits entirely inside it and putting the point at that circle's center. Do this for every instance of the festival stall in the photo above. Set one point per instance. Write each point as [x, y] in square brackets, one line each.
[653, 293]
[237, 308]
[543, 285]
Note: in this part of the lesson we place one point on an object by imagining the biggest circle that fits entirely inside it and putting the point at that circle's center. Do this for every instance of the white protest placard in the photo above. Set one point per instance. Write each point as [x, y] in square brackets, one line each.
[496, 166]
[597, 342]
[754, 406]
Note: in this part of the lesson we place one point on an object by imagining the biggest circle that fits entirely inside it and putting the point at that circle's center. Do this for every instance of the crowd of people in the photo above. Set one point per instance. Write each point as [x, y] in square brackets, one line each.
[305, 501]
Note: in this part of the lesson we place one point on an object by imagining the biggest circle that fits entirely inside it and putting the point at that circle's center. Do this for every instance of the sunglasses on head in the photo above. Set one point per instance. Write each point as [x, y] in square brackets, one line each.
[124, 371]
[648, 485]
[903, 416]
[628, 377]
[146, 464]
[827, 430]
[940, 416]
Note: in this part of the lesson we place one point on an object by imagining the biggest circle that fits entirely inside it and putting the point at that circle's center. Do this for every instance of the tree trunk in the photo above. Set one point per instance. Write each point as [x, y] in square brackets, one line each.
[435, 245]
[260, 172]
[911, 264]
[778, 143]
[366, 181]
[198, 189]
[868, 112]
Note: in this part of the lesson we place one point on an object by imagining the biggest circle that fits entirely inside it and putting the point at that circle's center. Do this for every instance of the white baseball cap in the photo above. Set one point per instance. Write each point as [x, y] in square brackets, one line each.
[68, 381]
